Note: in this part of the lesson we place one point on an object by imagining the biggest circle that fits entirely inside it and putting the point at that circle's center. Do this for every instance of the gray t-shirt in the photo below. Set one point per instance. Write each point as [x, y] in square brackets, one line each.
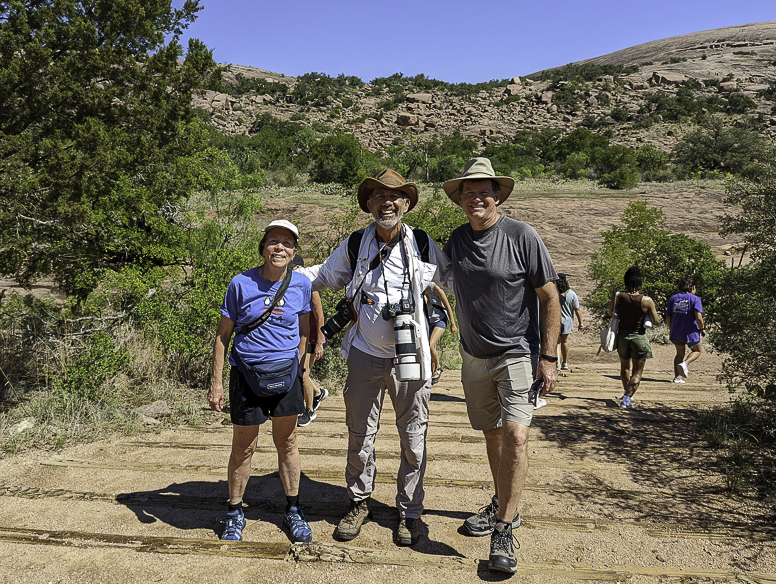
[495, 274]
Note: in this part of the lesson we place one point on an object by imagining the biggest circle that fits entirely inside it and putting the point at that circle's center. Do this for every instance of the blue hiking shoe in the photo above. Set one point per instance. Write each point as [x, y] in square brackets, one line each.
[235, 523]
[297, 525]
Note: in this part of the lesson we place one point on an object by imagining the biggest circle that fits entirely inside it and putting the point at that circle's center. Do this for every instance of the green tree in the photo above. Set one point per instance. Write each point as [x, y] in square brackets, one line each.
[336, 158]
[663, 257]
[97, 135]
[746, 318]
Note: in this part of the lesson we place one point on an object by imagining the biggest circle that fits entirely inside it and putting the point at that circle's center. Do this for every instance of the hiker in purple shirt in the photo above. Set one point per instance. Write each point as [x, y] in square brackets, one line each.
[684, 318]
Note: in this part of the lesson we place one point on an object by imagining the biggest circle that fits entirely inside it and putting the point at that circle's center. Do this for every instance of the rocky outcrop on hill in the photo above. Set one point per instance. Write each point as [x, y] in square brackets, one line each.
[730, 61]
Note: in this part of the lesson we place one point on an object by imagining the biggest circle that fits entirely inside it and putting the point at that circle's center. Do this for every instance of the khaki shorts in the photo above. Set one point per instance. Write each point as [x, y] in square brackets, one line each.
[497, 389]
[632, 345]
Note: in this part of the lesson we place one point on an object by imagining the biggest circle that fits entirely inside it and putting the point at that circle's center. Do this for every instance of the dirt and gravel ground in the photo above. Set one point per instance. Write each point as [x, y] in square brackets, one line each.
[612, 494]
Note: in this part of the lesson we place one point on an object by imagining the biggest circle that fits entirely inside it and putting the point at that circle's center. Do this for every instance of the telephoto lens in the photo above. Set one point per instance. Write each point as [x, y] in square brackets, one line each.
[339, 320]
[407, 366]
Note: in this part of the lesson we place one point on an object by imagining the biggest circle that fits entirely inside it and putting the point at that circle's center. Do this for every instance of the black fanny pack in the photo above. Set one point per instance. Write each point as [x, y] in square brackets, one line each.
[271, 379]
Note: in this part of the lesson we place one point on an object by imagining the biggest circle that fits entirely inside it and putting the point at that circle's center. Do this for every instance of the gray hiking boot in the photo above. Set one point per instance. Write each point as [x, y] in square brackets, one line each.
[502, 549]
[482, 524]
[408, 532]
[349, 527]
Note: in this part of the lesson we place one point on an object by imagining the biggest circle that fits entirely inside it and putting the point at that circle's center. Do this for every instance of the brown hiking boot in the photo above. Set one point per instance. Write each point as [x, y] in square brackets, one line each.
[350, 526]
[408, 532]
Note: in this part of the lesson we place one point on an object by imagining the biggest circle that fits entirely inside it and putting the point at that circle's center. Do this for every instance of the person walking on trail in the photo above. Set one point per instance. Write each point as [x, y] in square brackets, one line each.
[267, 308]
[439, 314]
[313, 396]
[633, 345]
[504, 280]
[684, 318]
[569, 306]
[385, 268]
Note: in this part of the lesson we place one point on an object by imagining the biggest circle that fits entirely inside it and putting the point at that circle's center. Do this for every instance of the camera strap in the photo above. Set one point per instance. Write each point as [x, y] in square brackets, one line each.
[405, 271]
[379, 258]
[250, 327]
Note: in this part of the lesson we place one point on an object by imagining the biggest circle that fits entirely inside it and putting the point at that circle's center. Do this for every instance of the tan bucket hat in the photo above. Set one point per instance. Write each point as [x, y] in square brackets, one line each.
[478, 169]
[388, 179]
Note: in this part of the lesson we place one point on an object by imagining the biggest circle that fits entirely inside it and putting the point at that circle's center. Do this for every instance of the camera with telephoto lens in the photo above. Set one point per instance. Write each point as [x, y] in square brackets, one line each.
[343, 314]
[403, 306]
[405, 339]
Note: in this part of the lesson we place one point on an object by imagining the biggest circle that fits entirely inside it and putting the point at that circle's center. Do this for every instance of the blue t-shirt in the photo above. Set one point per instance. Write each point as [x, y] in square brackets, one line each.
[248, 297]
[681, 309]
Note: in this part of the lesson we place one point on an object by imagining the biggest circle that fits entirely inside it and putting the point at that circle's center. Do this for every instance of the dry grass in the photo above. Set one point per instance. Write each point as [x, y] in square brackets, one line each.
[60, 418]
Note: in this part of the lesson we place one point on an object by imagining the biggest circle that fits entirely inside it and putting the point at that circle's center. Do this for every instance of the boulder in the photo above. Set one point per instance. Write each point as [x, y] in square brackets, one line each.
[756, 88]
[639, 85]
[22, 426]
[515, 81]
[158, 409]
[419, 98]
[606, 79]
[407, 120]
[728, 86]
[512, 89]
[592, 101]
[669, 78]
[546, 97]
[219, 100]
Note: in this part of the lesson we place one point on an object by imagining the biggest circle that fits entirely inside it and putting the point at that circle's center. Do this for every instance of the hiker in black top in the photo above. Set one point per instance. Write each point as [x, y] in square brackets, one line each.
[632, 342]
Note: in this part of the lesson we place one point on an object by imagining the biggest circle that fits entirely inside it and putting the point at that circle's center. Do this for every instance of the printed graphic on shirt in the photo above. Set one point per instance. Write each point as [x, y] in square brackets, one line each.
[277, 312]
[682, 305]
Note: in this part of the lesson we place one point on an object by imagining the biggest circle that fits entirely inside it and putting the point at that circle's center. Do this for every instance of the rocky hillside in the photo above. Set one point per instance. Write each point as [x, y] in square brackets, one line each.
[729, 65]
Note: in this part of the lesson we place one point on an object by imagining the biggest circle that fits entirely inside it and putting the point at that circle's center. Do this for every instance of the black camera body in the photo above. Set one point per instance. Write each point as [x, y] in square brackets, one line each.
[403, 306]
[534, 391]
[343, 314]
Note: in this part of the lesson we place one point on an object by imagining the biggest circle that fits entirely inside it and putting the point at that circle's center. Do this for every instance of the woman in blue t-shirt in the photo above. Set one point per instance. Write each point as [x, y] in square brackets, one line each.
[684, 318]
[281, 337]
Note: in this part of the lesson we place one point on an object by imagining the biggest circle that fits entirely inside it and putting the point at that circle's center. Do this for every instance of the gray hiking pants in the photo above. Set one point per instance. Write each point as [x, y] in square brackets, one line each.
[368, 379]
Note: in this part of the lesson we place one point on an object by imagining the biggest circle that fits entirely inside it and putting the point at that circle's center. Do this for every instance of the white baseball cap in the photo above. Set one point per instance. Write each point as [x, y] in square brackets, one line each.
[285, 225]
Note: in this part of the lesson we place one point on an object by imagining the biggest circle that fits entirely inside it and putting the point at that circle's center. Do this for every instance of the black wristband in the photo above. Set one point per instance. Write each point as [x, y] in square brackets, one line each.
[548, 358]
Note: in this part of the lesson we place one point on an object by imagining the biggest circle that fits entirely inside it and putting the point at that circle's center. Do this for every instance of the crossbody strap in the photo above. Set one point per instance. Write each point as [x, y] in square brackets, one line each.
[248, 328]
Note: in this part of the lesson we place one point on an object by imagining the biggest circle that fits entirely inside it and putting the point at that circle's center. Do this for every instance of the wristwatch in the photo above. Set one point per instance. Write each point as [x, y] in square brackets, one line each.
[549, 358]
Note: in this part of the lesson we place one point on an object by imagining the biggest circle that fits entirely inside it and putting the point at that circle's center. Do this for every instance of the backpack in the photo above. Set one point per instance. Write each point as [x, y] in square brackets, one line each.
[354, 243]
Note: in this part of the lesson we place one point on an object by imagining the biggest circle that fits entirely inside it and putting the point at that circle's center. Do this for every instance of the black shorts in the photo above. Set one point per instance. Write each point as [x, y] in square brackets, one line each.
[247, 409]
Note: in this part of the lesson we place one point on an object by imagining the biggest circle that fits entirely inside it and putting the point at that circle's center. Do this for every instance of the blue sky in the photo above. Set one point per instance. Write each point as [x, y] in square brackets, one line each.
[451, 40]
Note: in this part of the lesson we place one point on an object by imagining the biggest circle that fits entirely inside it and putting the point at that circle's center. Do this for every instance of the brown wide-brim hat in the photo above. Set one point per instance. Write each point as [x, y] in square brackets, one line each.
[478, 169]
[388, 179]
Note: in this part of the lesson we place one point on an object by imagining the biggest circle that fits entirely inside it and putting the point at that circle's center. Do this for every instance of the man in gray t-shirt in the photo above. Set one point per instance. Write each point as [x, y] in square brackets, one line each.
[504, 285]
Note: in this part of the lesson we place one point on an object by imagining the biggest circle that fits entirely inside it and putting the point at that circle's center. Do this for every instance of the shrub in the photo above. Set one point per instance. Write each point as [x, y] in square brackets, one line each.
[739, 104]
[715, 146]
[625, 177]
[88, 376]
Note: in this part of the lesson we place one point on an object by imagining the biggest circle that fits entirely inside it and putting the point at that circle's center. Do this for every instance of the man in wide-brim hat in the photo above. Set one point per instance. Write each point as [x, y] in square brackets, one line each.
[382, 267]
[503, 280]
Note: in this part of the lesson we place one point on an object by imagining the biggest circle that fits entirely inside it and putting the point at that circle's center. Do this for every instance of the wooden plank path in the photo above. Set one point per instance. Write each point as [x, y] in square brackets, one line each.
[612, 495]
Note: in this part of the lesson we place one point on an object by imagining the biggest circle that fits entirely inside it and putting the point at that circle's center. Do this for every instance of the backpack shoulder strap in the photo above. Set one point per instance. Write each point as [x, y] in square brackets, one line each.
[354, 243]
[421, 237]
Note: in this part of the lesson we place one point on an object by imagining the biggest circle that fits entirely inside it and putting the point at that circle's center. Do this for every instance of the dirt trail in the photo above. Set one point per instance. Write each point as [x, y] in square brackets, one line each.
[616, 495]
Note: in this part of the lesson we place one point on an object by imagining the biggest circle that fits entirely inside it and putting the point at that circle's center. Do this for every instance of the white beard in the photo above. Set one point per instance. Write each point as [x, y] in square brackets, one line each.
[389, 223]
